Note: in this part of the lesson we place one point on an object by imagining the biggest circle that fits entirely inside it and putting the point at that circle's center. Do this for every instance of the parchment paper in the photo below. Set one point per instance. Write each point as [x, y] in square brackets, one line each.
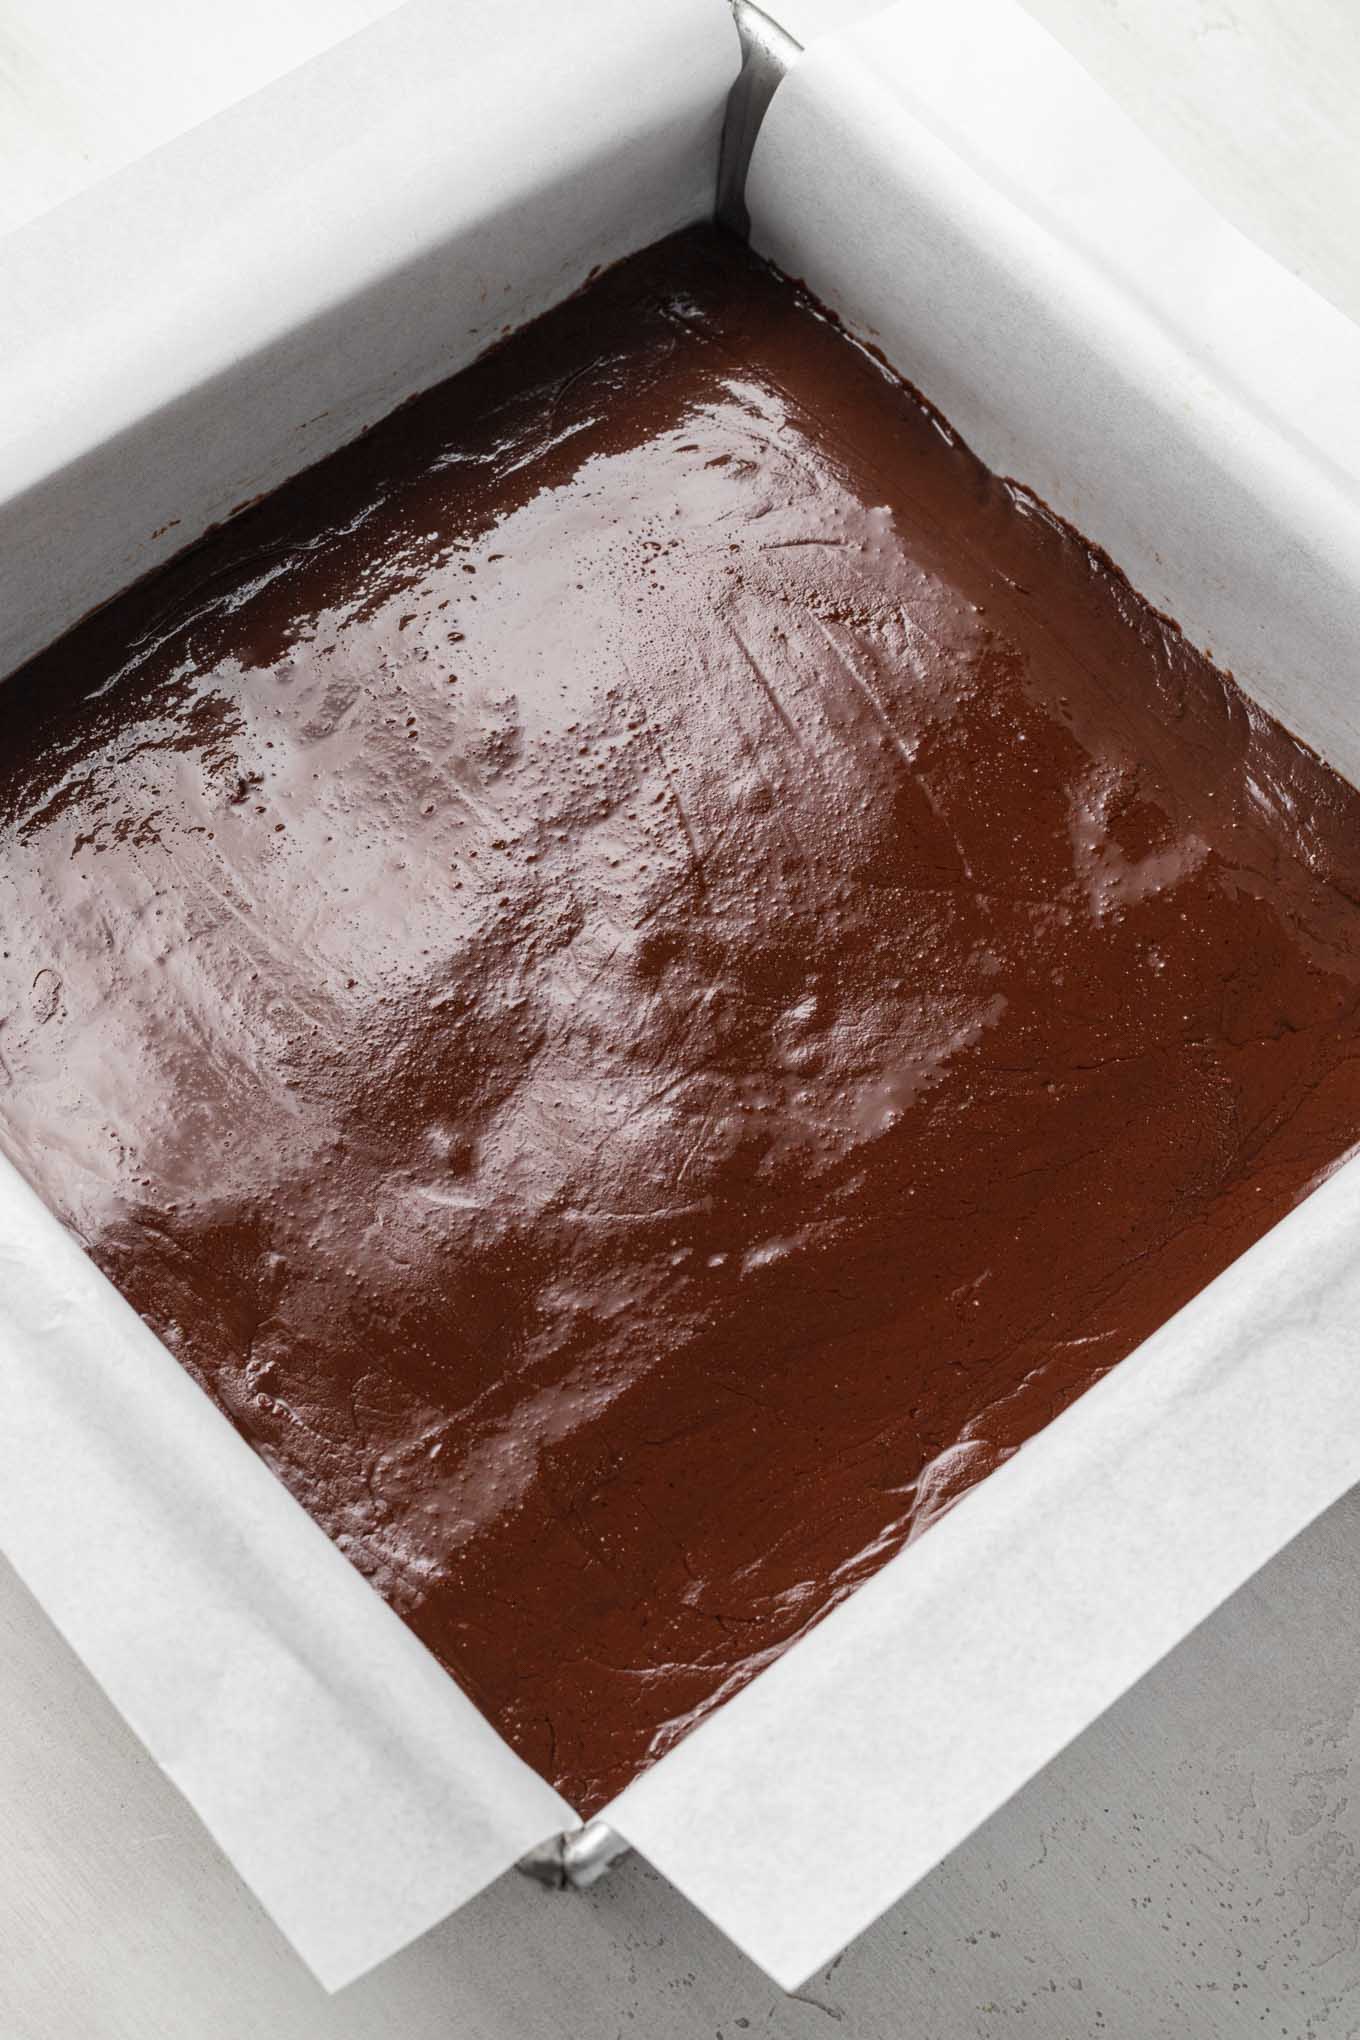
[174, 342]
[357, 1792]
[957, 188]
[186, 335]
[952, 184]
[965, 197]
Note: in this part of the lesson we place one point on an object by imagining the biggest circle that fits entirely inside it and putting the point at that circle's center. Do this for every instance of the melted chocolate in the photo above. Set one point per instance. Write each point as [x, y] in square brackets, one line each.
[648, 971]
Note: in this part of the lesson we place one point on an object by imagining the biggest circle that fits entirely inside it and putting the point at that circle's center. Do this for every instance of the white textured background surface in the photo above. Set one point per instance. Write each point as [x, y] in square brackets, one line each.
[86, 87]
[1190, 1867]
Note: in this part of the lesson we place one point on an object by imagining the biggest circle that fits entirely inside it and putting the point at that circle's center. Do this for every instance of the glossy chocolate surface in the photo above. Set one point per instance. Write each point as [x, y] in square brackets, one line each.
[646, 973]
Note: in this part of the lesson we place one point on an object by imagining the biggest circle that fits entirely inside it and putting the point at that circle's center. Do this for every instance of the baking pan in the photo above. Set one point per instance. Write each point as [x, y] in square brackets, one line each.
[346, 238]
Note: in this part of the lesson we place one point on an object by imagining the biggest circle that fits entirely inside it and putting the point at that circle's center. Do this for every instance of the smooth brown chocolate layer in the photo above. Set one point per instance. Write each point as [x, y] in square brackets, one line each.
[645, 974]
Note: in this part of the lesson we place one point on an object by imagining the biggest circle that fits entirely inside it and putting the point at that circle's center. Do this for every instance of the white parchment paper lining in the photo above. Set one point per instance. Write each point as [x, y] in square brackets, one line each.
[173, 342]
[242, 301]
[968, 200]
[951, 183]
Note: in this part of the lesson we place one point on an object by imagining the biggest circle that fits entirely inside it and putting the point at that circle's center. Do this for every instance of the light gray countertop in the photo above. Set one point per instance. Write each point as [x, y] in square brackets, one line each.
[1190, 1867]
